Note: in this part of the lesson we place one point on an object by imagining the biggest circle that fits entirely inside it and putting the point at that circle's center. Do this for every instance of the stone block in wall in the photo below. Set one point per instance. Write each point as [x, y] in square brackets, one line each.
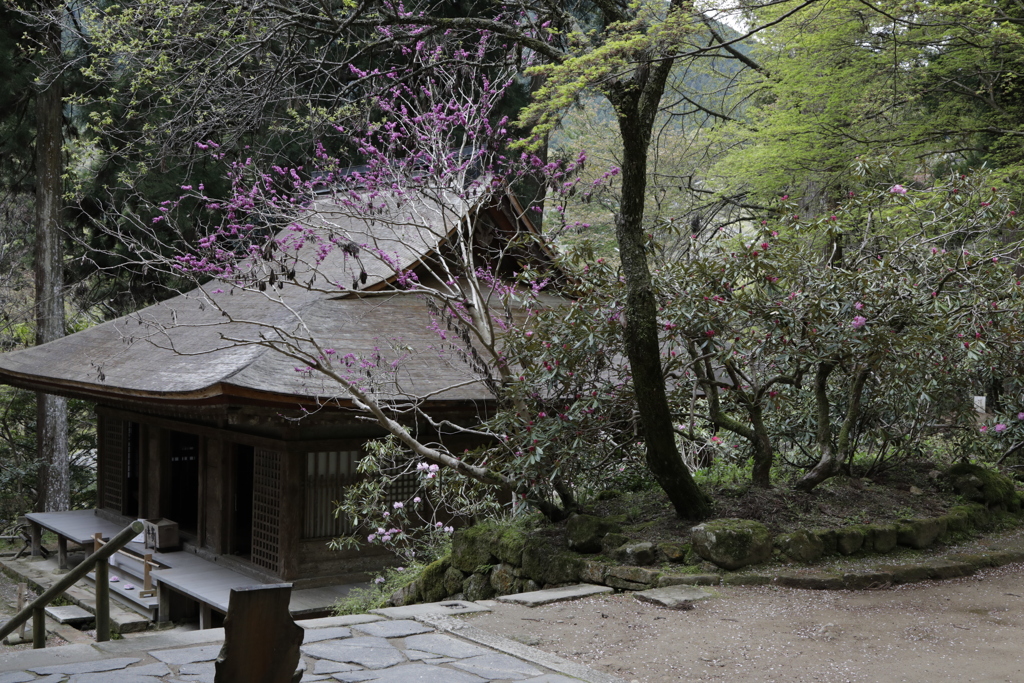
[472, 547]
[800, 546]
[883, 537]
[453, 579]
[732, 543]
[592, 571]
[849, 540]
[477, 587]
[503, 579]
[920, 533]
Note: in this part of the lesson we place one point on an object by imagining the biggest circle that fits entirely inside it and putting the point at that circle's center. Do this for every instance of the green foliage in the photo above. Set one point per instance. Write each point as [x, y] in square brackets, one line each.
[362, 600]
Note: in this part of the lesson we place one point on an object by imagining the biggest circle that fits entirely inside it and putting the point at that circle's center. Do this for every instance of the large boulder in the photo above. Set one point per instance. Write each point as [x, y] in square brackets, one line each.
[584, 533]
[732, 543]
[980, 485]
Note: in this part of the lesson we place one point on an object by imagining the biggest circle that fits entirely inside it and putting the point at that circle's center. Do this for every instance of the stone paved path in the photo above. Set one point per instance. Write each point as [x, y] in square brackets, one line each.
[360, 648]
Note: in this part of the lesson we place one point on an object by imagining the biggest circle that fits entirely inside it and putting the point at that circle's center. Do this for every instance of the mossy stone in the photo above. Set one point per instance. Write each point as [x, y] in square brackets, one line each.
[920, 533]
[981, 485]
[503, 579]
[884, 537]
[509, 548]
[800, 546]
[432, 588]
[453, 579]
[472, 547]
[827, 538]
[477, 587]
[674, 552]
[732, 543]
[849, 539]
[976, 513]
[584, 533]
[547, 565]
[640, 554]
[612, 542]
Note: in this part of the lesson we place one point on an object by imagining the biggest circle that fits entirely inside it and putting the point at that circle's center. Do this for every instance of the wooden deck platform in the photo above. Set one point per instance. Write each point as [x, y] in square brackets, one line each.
[206, 582]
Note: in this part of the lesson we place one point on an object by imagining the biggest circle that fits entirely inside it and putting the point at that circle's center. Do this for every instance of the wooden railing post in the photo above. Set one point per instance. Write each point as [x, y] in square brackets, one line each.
[39, 628]
[147, 581]
[22, 592]
[102, 600]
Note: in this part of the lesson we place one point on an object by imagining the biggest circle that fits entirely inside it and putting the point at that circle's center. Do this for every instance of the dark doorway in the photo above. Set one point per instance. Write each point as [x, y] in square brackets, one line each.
[131, 473]
[242, 513]
[184, 484]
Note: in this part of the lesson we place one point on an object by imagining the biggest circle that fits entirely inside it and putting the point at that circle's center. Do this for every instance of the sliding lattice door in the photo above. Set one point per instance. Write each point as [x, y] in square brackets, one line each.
[266, 510]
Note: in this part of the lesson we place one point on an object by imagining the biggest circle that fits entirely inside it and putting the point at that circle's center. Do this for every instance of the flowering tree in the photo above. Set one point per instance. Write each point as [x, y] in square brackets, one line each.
[410, 223]
[866, 325]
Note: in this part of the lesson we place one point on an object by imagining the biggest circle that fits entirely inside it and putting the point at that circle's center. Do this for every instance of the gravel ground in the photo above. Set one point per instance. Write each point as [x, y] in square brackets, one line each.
[968, 629]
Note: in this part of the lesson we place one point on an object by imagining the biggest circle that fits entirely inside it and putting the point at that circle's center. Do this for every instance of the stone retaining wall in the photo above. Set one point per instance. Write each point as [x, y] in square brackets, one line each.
[488, 560]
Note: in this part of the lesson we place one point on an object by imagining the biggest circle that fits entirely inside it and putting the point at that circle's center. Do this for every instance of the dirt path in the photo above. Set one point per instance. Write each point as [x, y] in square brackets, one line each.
[969, 629]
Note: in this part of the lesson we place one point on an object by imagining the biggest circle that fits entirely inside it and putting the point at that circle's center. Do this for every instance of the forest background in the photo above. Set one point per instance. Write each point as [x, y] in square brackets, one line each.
[797, 221]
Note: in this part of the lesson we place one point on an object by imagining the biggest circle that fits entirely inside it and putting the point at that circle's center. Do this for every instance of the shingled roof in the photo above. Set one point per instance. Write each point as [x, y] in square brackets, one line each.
[215, 344]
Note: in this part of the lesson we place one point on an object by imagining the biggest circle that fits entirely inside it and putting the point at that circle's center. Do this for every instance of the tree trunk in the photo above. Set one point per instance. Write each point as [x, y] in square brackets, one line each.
[832, 458]
[51, 411]
[636, 102]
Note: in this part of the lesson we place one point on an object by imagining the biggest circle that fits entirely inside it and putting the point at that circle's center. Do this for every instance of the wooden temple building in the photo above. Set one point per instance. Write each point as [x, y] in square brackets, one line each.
[204, 419]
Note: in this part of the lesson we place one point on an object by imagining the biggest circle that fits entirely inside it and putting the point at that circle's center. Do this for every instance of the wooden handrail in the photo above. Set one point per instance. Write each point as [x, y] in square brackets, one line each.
[99, 559]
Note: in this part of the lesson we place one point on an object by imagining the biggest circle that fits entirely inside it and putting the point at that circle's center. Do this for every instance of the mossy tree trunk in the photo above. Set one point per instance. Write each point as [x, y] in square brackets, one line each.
[636, 100]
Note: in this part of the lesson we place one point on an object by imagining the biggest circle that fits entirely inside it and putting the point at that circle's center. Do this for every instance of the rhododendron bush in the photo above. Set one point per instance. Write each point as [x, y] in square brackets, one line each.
[864, 331]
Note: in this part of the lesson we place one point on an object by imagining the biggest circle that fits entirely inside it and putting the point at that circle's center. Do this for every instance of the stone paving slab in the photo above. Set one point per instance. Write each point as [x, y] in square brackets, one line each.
[550, 595]
[86, 667]
[674, 597]
[69, 614]
[431, 609]
[393, 629]
[333, 633]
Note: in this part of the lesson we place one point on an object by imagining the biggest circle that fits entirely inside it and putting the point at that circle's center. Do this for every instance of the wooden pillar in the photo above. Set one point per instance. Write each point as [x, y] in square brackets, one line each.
[144, 496]
[216, 494]
[293, 468]
[205, 616]
[163, 608]
[101, 458]
[157, 471]
[37, 539]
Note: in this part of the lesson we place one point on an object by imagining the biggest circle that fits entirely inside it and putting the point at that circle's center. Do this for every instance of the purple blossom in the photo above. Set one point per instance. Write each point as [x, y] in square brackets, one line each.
[1000, 427]
[897, 189]
[399, 506]
[858, 322]
[858, 305]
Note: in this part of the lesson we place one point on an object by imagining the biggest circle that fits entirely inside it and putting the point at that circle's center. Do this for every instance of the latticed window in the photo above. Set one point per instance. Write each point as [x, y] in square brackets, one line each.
[327, 475]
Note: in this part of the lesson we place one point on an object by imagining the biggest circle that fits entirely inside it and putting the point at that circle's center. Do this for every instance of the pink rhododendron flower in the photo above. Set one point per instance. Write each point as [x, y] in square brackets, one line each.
[983, 428]
[1000, 427]
[898, 189]
[858, 322]
[858, 305]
